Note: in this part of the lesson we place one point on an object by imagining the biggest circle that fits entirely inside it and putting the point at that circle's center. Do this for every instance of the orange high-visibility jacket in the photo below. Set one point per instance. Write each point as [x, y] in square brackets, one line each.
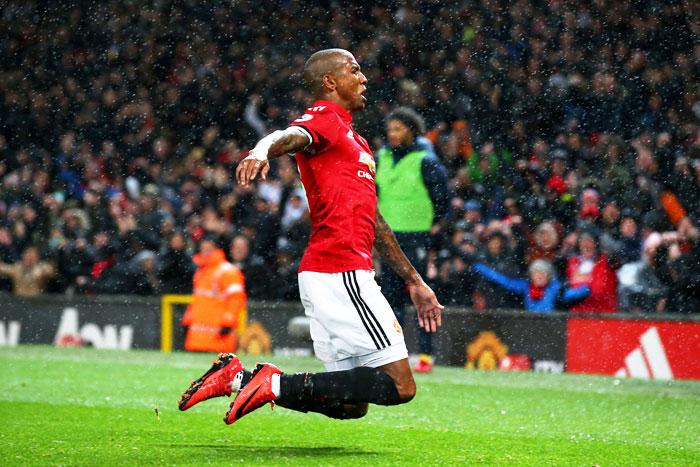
[219, 298]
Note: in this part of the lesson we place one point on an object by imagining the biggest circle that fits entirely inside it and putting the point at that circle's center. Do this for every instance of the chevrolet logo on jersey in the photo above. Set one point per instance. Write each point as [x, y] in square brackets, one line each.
[369, 161]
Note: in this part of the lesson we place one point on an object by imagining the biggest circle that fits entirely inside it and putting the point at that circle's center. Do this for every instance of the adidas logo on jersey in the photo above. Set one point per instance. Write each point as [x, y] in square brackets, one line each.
[648, 361]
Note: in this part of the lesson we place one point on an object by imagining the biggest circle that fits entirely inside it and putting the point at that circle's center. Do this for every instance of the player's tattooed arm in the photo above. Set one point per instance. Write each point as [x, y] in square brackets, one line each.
[275, 144]
[388, 247]
[291, 140]
[428, 308]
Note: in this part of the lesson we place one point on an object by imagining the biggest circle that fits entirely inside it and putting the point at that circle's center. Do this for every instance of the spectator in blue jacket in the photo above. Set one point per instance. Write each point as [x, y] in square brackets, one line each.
[542, 292]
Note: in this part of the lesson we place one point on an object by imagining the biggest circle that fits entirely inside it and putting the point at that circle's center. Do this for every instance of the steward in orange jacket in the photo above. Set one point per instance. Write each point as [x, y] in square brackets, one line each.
[219, 300]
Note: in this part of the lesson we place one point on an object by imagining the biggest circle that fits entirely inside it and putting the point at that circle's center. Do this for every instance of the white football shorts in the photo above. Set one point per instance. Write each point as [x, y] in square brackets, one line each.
[352, 324]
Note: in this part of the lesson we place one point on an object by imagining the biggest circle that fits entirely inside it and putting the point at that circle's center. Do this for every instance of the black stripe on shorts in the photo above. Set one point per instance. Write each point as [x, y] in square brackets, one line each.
[346, 282]
[369, 311]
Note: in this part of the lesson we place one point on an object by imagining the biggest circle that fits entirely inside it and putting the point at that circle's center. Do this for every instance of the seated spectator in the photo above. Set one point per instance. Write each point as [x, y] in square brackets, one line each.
[29, 276]
[542, 292]
[590, 268]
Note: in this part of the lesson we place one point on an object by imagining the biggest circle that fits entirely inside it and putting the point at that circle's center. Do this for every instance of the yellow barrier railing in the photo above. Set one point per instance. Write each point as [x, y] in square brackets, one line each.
[167, 316]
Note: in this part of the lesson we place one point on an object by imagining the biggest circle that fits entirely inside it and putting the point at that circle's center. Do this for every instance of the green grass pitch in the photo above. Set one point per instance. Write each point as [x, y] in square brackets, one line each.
[92, 407]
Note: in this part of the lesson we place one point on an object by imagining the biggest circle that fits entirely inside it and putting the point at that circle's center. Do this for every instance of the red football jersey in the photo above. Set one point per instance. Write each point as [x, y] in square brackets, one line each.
[337, 170]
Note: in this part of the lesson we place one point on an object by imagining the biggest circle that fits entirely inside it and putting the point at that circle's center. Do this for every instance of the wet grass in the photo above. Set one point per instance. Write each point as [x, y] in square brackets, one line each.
[92, 407]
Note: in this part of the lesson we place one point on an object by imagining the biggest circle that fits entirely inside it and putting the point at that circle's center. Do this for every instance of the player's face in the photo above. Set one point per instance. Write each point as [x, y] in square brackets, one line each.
[351, 84]
[398, 134]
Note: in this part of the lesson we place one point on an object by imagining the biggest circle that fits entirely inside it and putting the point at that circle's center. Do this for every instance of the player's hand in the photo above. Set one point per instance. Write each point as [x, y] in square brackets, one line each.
[427, 306]
[251, 167]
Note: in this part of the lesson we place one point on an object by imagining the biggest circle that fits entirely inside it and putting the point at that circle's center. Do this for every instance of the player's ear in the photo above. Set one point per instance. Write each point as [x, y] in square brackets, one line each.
[329, 82]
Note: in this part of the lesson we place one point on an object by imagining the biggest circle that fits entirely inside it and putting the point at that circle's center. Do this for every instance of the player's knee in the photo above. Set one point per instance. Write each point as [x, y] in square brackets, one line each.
[406, 389]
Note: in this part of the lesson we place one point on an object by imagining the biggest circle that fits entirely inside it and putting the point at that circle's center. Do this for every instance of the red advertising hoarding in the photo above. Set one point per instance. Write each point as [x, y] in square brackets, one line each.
[634, 348]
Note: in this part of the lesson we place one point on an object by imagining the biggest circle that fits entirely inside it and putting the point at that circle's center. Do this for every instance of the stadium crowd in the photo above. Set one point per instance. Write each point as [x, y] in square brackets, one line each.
[570, 131]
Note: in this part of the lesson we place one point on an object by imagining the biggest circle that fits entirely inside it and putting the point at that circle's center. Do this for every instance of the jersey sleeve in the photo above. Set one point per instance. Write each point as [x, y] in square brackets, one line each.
[322, 127]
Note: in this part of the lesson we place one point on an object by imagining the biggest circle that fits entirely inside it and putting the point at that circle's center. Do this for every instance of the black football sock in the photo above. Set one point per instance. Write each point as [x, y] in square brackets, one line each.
[329, 408]
[305, 391]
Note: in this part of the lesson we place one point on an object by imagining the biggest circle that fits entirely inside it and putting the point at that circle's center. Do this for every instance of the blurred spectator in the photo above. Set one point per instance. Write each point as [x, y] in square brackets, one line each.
[29, 275]
[544, 243]
[8, 254]
[284, 284]
[252, 266]
[451, 267]
[542, 292]
[498, 257]
[590, 209]
[143, 274]
[683, 272]
[76, 260]
[177, 268]
[641, 288]
[627, 242]
[472, 217]
[590, 268]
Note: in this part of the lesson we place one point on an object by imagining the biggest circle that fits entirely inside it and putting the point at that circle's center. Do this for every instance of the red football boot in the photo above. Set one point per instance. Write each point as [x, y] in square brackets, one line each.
[214, 383]
[424, 364]
[255, 394]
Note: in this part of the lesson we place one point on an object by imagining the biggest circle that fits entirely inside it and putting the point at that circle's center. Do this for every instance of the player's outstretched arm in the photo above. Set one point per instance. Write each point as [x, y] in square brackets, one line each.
[427, 306]
[275, 144]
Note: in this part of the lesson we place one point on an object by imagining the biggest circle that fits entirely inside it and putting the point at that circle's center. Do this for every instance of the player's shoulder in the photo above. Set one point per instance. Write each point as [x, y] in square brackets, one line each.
[318, 112]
